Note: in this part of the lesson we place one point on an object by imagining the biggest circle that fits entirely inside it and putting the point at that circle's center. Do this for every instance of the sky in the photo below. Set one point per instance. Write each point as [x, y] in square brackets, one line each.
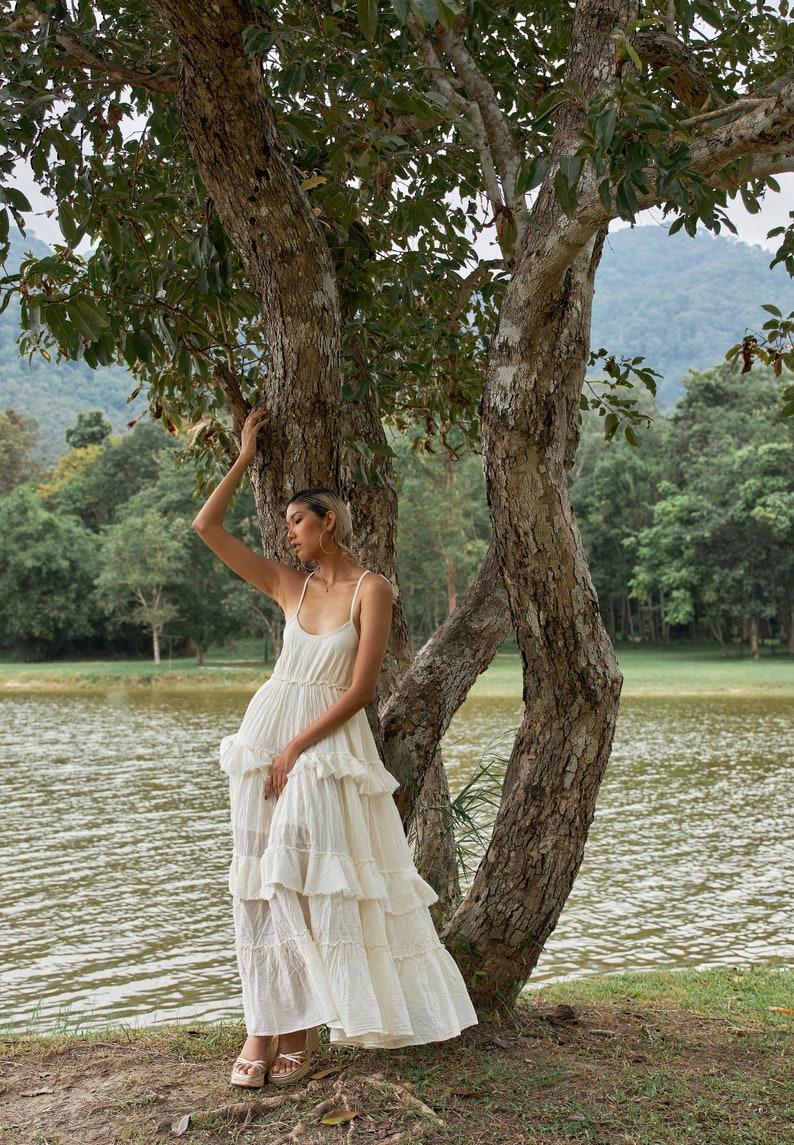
[751, 229]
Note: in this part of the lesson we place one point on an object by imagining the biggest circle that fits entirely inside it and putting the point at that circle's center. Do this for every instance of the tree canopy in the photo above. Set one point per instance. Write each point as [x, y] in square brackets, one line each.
[284, 202]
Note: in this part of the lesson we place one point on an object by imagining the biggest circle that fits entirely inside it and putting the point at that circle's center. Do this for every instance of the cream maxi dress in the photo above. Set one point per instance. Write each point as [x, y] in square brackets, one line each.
[330, 913]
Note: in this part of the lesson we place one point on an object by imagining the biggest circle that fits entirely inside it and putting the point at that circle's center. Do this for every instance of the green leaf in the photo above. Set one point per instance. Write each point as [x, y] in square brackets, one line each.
[605, 194]
[532, 174]
[368, 18]
[426, 10]
[14, 198]
[770, 309]
[401, 9]
[626, 201]
[566, 195]
[140, 344]
[605, 126]
[89, 316]
[571, 167]
[447, 11]
[631, 436]
[55, 319]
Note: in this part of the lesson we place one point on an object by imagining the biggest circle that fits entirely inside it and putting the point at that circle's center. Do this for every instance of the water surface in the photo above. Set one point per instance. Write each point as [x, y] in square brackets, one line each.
[114, 848]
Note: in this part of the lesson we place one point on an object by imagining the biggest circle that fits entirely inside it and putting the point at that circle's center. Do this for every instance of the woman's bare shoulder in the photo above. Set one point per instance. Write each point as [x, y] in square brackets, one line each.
[377, 588]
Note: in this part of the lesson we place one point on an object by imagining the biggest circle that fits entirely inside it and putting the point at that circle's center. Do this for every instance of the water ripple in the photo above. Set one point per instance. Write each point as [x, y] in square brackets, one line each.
[114, 848]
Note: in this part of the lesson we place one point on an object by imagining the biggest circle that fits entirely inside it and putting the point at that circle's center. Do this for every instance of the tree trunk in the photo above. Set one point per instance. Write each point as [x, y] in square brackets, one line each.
[199, 654]
[717, 631]
[754, 644]
[535, 371]
[156, 644]
[234, 140]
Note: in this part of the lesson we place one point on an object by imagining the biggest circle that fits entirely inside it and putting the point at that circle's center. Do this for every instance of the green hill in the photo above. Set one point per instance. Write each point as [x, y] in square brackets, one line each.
[55, 392]
[679, 302]
[682, 302]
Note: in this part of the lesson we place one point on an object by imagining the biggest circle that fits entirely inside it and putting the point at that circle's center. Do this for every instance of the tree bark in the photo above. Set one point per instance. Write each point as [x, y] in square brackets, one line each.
[536, 367]
[234, 141]
[156, 645]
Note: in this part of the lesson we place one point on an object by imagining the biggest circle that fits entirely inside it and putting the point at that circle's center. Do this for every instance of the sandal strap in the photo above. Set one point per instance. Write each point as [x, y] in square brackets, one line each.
[297, 1058]
[247, 1061]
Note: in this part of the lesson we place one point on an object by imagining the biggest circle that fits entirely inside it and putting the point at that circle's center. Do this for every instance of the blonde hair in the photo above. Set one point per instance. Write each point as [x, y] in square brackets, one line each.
[321, 502]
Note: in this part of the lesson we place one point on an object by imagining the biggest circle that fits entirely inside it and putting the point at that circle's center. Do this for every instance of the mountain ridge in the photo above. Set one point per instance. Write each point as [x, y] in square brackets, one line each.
[680, 303]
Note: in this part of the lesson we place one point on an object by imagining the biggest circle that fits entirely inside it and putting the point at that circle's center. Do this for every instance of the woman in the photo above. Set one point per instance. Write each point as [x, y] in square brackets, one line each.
[330, 914]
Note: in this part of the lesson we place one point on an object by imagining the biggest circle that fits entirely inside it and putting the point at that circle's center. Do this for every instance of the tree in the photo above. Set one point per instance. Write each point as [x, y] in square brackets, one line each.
[48, 562]
[201, 588]
[142, 555]
[444, 532]
[295, 216]
[719, 547]
[90, 429]
[95, 481]
[613, 489]
[18, 435]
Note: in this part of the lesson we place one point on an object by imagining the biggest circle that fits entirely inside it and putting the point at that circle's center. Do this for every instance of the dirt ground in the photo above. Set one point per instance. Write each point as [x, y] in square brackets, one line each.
[547, 1075]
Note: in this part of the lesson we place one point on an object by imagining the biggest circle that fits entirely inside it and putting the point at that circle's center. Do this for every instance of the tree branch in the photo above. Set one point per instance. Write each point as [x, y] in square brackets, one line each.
[689, 82]
[502, 144]
[163, 80]
[447, 85]
[764, 133]
[420, 709]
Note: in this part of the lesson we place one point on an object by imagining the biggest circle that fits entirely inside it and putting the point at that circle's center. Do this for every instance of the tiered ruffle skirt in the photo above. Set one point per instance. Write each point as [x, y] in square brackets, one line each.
[331, 915]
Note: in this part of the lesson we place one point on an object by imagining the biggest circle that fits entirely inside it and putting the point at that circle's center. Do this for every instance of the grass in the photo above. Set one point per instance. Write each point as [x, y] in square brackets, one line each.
[239, 666]
[631, 1059]
[679, 669]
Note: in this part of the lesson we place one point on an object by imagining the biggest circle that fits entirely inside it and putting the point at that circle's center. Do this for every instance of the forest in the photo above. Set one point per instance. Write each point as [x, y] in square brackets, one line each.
[689, 536]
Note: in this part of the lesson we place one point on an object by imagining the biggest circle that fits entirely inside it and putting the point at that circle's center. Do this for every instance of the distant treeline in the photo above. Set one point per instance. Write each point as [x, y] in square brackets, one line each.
[692, 534]
[689, 536]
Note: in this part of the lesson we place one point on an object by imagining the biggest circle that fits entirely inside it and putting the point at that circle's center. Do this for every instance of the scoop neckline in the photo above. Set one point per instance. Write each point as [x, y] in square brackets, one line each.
[320, 635]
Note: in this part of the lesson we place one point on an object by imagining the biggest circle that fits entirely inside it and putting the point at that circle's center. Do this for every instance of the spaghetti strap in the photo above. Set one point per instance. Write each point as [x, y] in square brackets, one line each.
[303, 592]
[355, 594]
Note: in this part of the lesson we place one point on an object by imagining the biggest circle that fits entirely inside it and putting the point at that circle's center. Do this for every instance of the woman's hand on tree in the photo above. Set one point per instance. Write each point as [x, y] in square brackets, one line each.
[256, 419]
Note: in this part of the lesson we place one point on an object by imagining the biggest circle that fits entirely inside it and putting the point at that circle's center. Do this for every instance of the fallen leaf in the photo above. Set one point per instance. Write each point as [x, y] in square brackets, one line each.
[502, 1043]
[35, 1092]
[781, 1010]
[338, 1116]
[181, 1126]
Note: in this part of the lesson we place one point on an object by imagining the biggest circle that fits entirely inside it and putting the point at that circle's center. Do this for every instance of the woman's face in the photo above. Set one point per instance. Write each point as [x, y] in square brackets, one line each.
[304, 529]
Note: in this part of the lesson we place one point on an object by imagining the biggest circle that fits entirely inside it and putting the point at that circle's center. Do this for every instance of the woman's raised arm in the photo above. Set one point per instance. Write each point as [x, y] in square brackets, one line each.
[269, 576]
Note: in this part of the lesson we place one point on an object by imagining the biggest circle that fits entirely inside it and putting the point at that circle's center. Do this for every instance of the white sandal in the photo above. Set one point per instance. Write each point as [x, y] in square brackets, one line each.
[301, 1059]
[258, 1078]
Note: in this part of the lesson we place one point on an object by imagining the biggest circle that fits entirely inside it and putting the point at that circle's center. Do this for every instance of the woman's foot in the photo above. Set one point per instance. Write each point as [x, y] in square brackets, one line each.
[293, 1059]
[256, 1057]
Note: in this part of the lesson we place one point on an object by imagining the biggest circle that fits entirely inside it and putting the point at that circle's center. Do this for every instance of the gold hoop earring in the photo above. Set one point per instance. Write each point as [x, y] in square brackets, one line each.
[336, 550]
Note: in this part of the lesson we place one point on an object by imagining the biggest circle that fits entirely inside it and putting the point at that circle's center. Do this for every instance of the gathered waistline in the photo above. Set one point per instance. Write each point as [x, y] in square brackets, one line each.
[309, 683]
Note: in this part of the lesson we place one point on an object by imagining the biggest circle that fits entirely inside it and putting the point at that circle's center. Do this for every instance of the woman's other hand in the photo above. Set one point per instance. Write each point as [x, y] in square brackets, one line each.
[279, 772]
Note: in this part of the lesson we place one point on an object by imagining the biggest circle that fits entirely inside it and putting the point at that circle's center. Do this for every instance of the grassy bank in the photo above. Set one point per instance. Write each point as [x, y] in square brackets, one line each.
[648, 671]
[679, 669]
[648, 1059]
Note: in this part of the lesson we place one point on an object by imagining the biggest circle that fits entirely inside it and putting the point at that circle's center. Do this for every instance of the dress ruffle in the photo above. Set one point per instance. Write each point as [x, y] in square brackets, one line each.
[369, 776]
[330, 913]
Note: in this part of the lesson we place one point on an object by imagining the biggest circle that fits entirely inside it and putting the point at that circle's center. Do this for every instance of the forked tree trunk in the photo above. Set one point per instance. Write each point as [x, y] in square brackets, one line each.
[531, 405]
[536, 367]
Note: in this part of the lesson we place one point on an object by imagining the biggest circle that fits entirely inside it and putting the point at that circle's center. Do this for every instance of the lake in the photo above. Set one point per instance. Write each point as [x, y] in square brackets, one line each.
[114, 848]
